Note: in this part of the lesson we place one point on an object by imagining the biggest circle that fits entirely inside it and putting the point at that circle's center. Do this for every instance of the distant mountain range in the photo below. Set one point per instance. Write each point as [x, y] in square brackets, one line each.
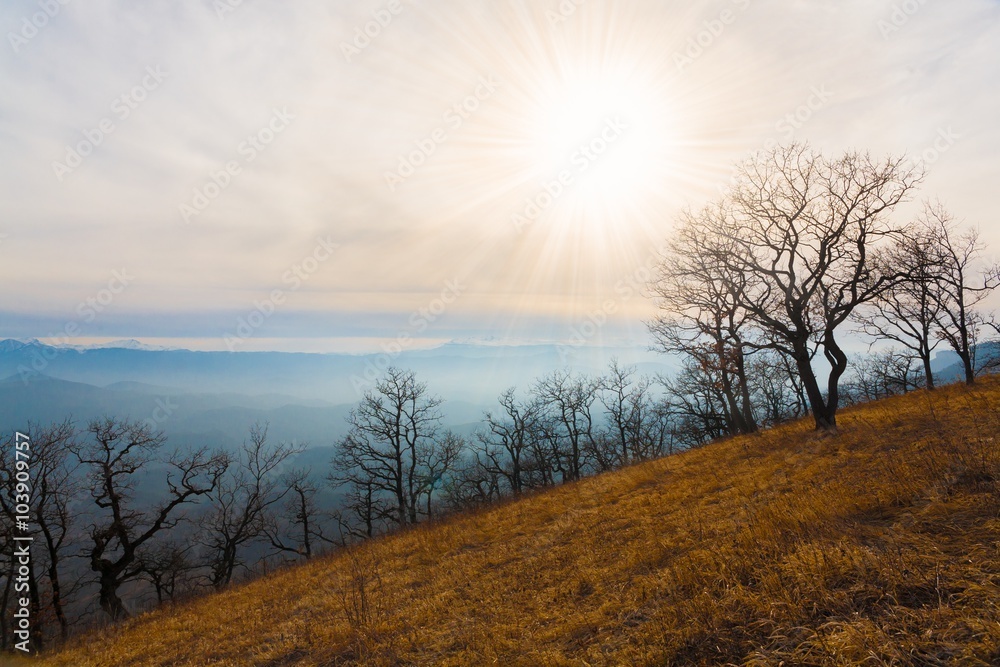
[212, 398]
[468, 372]
[11, 344]
[947, 365]
[188, 419]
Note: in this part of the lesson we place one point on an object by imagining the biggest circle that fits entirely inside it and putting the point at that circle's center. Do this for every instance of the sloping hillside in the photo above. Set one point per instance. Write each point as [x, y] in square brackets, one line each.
[879, 545]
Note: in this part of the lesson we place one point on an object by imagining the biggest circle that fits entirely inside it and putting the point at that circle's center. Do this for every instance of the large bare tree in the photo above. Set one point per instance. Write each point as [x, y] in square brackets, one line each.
[117, 456]
[800, 230]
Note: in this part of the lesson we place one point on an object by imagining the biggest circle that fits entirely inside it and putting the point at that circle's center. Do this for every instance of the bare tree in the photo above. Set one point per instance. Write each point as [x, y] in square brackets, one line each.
[385, 454]
[777, 389]
[169, 567]
[53, 488]
[554, 435]
[437, 460]
[568, 402]
[908, 311]
[882, 374]
[695, 405]
[476, 481]
[800, 230]
[118, 454]
[366, 510]
[238, 505]
[636, 428]
[701, 313]
[959, 285]
[506, 442]
[300, 527]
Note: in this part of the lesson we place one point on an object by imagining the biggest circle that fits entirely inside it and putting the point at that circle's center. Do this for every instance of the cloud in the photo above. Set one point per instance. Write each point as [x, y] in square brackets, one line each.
[356, 117]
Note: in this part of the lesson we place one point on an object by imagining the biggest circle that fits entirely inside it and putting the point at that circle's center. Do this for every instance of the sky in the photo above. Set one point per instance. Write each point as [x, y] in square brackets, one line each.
[345, 176]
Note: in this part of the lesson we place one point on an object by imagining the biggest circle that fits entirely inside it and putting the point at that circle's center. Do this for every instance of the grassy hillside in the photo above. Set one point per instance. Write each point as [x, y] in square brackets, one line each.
[877, 546]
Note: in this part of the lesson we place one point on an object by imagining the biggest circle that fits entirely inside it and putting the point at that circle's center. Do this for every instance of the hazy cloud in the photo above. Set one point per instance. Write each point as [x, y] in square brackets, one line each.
[357, 104]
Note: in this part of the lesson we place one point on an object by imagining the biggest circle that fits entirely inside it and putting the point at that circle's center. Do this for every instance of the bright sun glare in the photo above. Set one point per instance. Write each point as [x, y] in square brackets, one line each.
[579, 152]
[609, 135]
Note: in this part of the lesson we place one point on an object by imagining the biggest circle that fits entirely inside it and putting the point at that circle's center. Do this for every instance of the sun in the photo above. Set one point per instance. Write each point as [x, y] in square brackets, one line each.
[606, 132]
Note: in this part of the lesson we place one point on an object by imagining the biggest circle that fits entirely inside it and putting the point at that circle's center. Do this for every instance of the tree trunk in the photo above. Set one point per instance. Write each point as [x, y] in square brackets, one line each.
[838, 365]
[369, 512]
[110, 602]
[741, 373]
[413, 506]
[925, 358]
[228, 565]
[825, 421]
[3, 612]
[306, 545]
[735, 418]
[53, 574]
[574, 464]
[36, 606]
[158, 587]
[966, 351]
[57, 604]
[970, 372]
[515, 474]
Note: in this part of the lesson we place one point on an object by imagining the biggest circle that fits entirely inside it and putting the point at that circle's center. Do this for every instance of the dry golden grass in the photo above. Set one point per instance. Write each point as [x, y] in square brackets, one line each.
[876, 546]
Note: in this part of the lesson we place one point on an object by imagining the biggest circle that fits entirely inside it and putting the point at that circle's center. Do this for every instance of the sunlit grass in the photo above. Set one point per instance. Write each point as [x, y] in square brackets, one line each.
[876, 546]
